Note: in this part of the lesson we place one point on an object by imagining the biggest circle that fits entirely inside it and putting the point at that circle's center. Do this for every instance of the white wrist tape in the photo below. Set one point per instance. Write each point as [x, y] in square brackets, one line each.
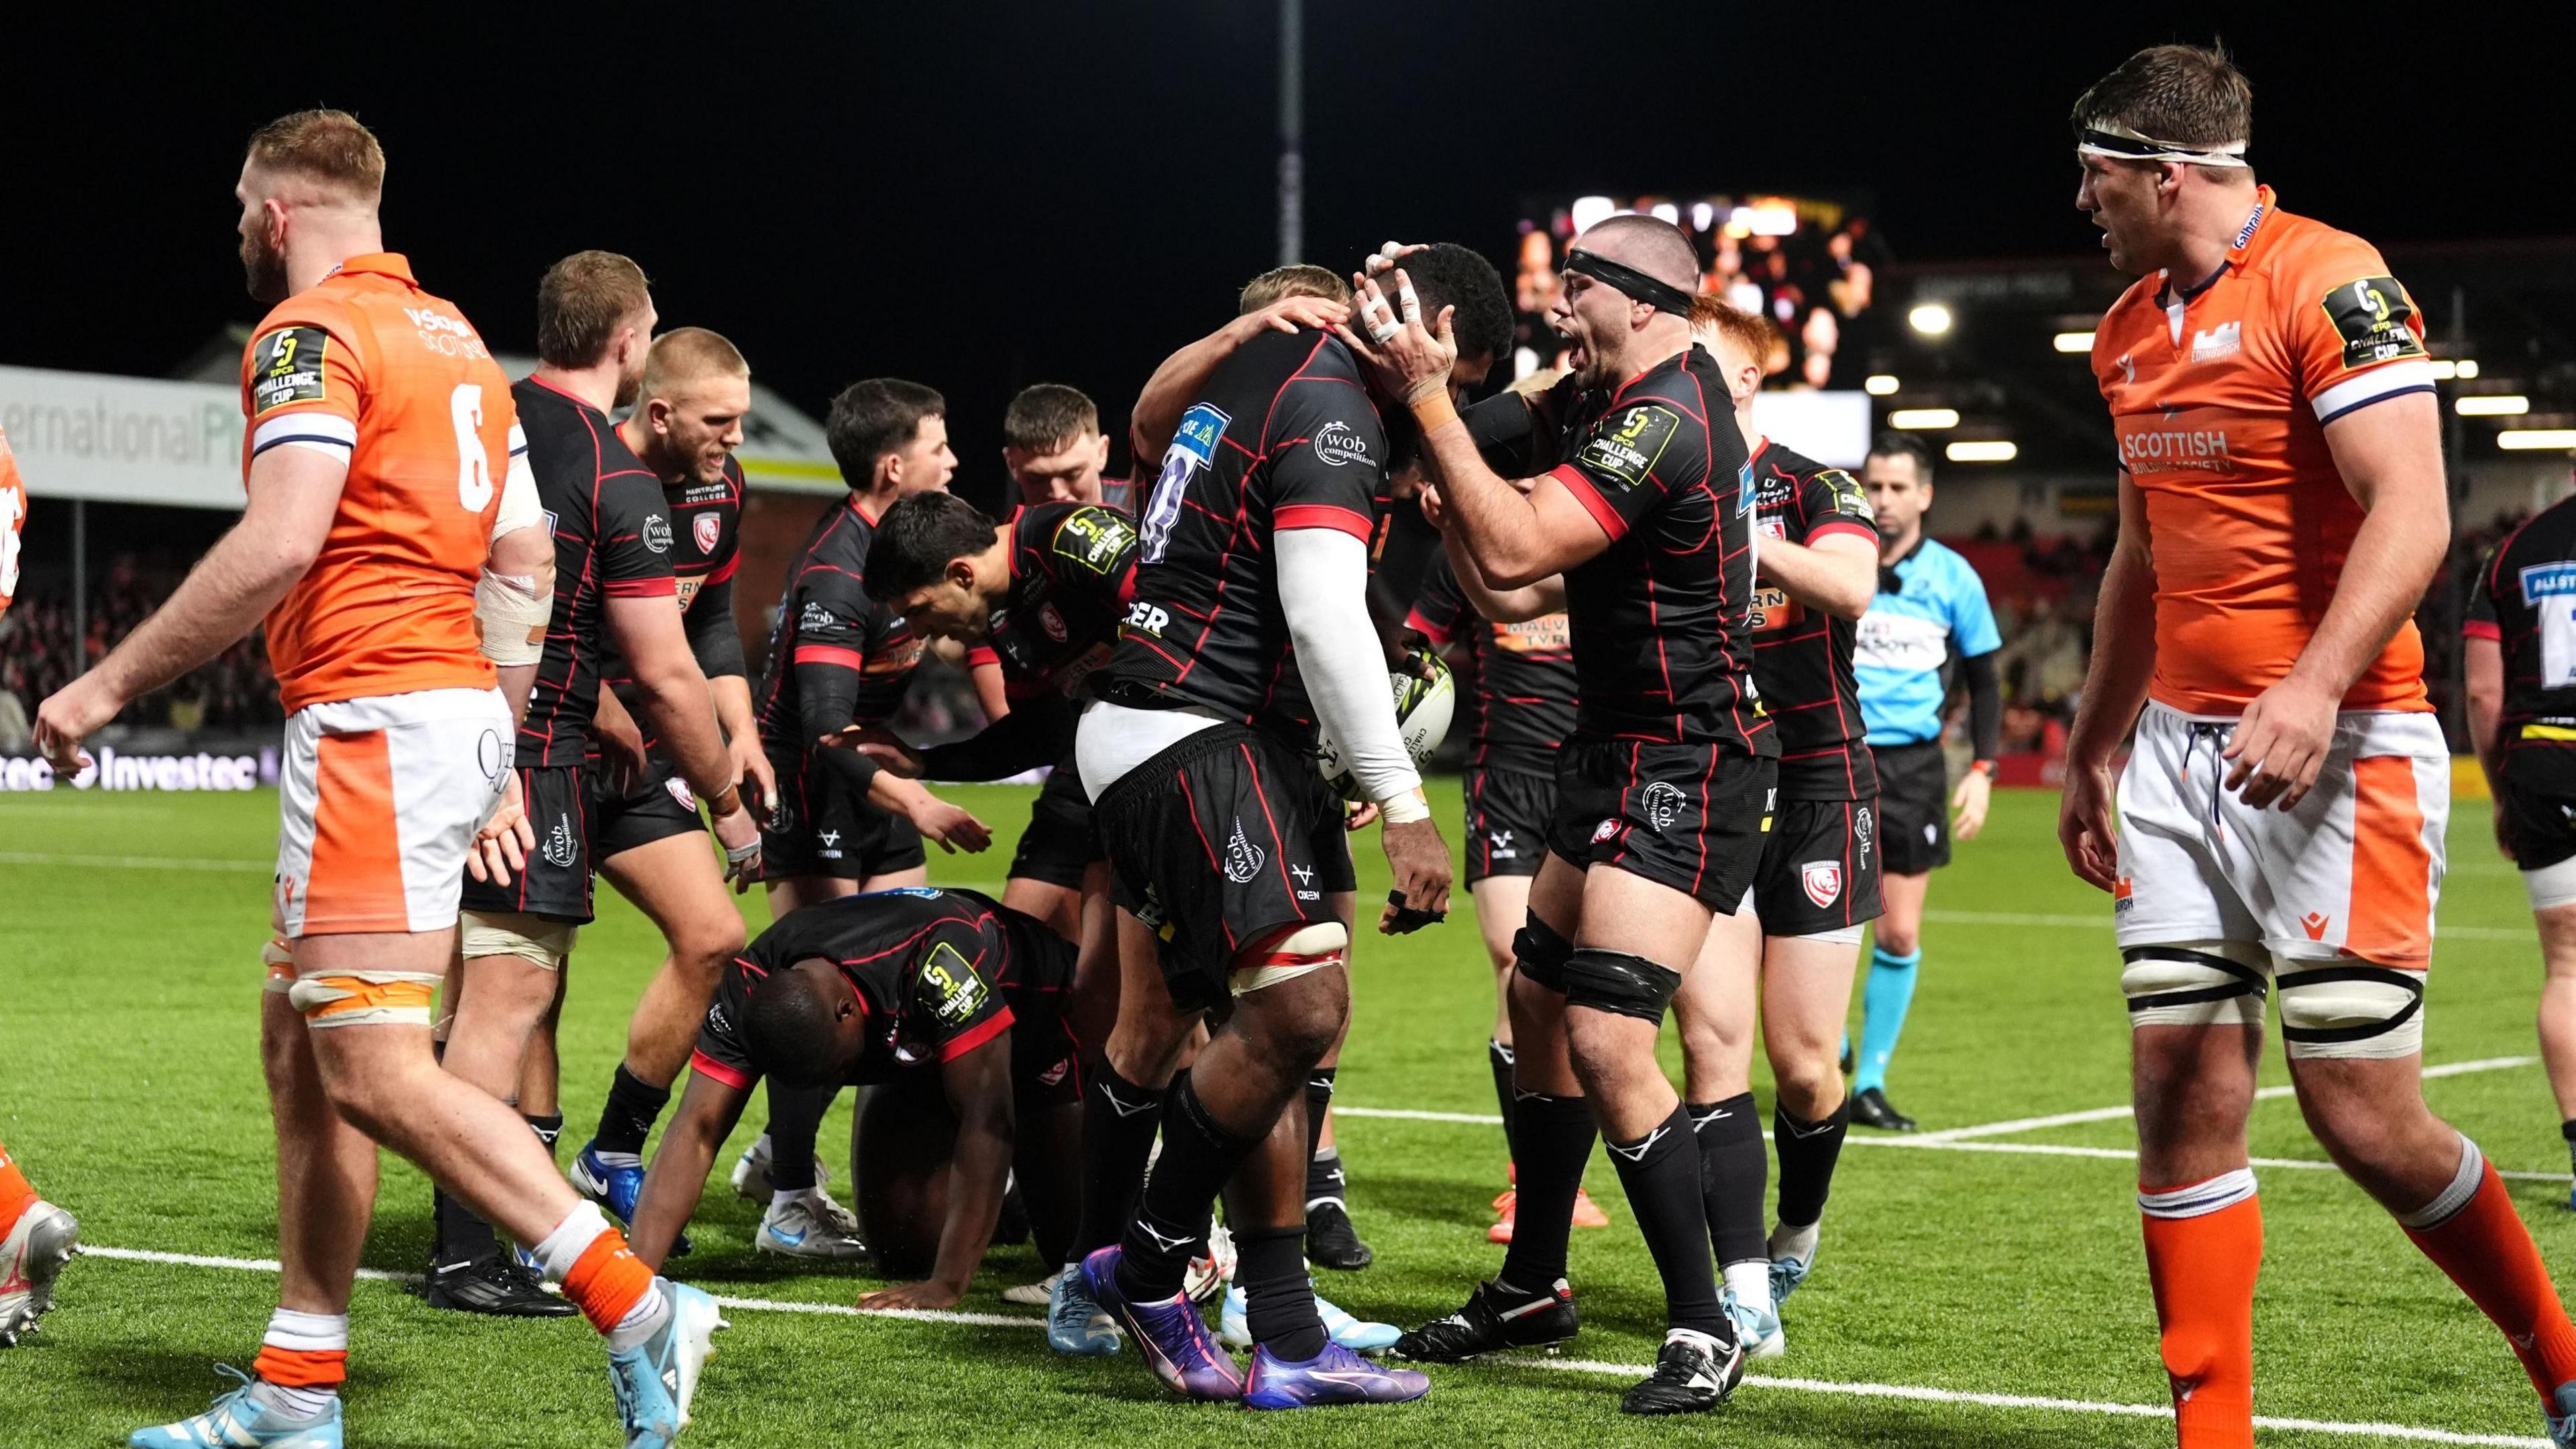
[511, 616]
[1406, 808]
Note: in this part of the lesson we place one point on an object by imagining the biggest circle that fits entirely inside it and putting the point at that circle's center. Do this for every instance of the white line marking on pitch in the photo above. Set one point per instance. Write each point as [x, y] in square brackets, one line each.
[1914, 1392]
[139, 862]
[2113, 1114]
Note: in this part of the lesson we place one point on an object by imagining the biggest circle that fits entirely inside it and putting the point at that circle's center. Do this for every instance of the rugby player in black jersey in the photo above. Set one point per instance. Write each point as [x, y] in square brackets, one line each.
[947, 1004]
[1042, 594]
[1518, 674]
[613, 581]
[1054, 449]
[1250, 627]
[685, 425]
[1664, 793]
[2520, 653]
[1817, 884]
[839, 661]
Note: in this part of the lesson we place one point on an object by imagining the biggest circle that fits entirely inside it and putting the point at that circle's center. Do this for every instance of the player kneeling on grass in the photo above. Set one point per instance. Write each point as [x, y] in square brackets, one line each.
[878, 990]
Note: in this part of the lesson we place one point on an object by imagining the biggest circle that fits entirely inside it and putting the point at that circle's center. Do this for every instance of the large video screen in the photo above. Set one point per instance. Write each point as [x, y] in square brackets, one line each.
[1807, 263]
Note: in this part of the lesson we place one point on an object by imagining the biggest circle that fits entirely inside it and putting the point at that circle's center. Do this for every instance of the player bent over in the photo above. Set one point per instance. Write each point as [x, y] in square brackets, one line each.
[1817, 885]
[1663, 794]
[878, 989]
[2522, 718]
[381, 482]
[2279, 823]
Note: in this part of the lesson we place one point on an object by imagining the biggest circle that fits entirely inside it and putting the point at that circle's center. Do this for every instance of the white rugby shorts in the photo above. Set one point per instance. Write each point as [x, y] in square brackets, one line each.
[2353, 873]
[378, 802]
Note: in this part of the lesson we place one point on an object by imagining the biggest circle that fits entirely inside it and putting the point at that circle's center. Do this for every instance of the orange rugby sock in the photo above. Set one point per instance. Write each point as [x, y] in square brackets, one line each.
[2204, 1246]
[301, 1368]
[608, 1280]
[2482, 1244]
[15, 1194]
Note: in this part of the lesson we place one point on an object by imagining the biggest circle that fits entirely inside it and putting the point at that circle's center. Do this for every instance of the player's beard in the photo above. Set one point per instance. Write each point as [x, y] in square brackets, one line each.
[263, 268]
[630, 386]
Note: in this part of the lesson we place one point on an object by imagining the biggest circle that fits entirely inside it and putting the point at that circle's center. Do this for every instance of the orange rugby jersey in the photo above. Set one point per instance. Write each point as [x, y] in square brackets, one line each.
[367, 367]
[13, 518]
[2220, 398]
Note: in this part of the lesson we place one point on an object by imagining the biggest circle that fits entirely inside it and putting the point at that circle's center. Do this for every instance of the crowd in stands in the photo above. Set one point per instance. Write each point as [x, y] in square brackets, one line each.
[39, 655]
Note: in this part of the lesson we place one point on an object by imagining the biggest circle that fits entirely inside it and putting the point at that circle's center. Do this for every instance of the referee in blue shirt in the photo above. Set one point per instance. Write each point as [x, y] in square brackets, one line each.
[1929, 624]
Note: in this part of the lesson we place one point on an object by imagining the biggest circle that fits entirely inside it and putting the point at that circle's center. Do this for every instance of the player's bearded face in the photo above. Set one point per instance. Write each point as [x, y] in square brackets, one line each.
[263, 265]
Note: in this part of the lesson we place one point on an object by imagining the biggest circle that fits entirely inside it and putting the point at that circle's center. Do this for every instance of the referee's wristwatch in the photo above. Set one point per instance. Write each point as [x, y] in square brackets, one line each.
[1982, 767]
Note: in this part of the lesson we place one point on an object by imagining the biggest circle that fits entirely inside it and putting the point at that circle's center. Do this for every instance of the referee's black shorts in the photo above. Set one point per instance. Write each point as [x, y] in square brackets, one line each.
[1914, 806]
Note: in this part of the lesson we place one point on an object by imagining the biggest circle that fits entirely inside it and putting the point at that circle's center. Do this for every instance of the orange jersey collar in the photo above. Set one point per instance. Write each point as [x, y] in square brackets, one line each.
[382, 264]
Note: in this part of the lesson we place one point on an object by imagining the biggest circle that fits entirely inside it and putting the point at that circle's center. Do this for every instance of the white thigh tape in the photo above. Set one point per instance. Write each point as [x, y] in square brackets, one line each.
[2351, 1010]
[2551, 885]
[531, 938]
[2192, 983]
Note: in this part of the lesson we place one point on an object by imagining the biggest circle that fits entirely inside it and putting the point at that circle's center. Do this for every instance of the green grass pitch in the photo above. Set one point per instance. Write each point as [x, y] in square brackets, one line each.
[129, 1085]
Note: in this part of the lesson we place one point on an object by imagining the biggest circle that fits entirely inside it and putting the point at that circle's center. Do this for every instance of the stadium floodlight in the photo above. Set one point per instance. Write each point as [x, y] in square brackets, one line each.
[1667, 213]
[1993, 450]
[2536, 440]
[1702, 214]
[1931, 319]
[2493, 405]
[1879, 384]
[1922, 420]
[1589, 211]
[2073, 341]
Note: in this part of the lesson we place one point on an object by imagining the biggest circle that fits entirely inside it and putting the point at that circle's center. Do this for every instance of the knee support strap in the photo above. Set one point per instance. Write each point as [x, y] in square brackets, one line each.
[2194, 983]
[1616, 981]
[2352, 1010]
[1300, 952]
[514, 933]
[364, 998]
[1540, 953]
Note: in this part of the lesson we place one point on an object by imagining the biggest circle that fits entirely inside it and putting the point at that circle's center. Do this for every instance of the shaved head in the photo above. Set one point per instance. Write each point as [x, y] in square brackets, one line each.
[1656, 248]
[684, 355]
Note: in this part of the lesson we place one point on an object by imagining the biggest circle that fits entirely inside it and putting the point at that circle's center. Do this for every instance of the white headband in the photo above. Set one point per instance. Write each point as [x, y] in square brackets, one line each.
[2122, 144]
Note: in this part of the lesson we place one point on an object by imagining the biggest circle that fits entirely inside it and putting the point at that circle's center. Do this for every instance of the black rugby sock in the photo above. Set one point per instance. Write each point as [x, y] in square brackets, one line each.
[1808, 1152]
[1499, 1057]
[462, 1237]
[1554, 1136]
[549, 1130]
[1279, 1298]
[1172, 1215]
[1661, 1173]
[795, 1125]
[1119, 1120]
[1734, 1168]
[632, 1109]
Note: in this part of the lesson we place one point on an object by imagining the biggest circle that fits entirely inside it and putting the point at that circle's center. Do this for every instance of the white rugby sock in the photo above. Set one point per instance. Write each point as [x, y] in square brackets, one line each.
[1750, 1282]
[1798, 1243]
[641, 1321]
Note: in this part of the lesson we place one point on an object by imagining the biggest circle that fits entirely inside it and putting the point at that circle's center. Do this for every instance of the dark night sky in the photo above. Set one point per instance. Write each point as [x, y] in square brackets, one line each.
[982, 196]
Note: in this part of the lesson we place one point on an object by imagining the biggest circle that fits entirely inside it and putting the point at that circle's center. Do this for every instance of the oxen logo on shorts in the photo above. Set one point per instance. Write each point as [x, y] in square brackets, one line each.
[679, 789]
[1242, 858]
[1823, 880]
[560, 849]
[1663, 804]
[706, 528]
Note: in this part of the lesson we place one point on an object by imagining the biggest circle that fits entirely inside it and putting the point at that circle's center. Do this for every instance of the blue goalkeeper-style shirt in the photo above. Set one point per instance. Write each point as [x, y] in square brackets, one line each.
[1909, 635]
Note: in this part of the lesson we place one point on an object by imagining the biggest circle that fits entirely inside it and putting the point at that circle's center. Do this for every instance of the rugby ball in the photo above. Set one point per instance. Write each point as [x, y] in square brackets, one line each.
[1426, 697]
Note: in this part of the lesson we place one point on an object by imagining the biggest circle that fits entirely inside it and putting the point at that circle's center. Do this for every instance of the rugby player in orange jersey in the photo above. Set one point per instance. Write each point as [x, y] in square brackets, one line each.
[36, 1237]
[380, 460]
[2279, 822]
